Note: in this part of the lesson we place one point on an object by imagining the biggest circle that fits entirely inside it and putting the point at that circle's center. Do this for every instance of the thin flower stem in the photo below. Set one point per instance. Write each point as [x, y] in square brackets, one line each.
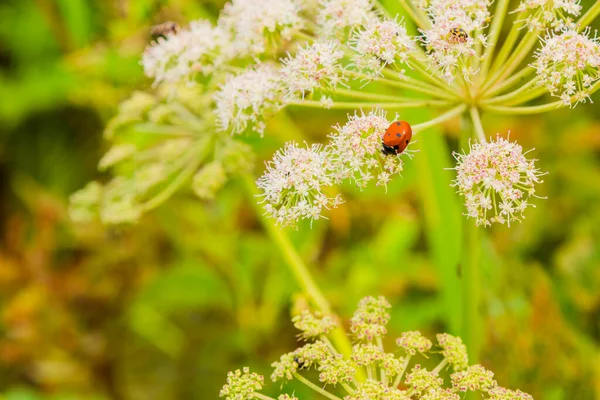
[384, 378]
[298, 268]
[186, 173]
[470, 263]
[512, 95]
[495, 29]
[421, 88]
[517, 78]
[589, 16]
[442, 118]
[439, 367]
[370, 96]
[356, 105]
[508, 44]
[477, 124]
[420, 19]
[522, 50]
[433, 77]
[519, 98]
[168, 130]
[314, 387]
[402, 371]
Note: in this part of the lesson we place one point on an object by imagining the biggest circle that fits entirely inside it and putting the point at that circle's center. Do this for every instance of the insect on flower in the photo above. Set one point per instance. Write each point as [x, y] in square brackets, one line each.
[396, 138]
[164, 29]
[458, 35]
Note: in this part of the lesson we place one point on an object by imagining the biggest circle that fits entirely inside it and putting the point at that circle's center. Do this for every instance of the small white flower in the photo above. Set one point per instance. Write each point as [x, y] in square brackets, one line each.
[568, 64]
[381, 43]
[455, 30]
[254, 24]
[356, 150]
[244, 100]
[337, 18]
[294, 183]
[556, 14]
[183, 55]
[496, 180]
[316, 66]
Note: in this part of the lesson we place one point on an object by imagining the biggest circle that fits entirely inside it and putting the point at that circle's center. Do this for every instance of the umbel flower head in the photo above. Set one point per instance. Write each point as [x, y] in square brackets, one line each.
[496, 180]
[568, 65]
[390, 376]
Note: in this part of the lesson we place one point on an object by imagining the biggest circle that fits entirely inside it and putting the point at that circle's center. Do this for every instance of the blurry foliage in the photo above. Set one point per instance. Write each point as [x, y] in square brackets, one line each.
[164, 309]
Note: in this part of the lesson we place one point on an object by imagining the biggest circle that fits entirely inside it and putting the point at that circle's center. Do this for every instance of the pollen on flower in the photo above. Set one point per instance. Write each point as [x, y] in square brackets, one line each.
[496, 180]
[568, 65]
[556, 14]
[474, 378]
[372, 389]
[379, 44]
[453, 350]
[336, 18]
[313, 325]
[422, 380]
[241, 385]
[294, 183]
[245, 100]
[253, 24]
[356, 150]
[455, 31]
[182, 56]
[316, 66]
[335, 369]
[501, 393]
[413, 342]
[370, 318]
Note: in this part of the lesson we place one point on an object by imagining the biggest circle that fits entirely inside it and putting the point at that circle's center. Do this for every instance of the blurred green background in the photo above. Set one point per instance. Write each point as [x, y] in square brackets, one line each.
[163, 309]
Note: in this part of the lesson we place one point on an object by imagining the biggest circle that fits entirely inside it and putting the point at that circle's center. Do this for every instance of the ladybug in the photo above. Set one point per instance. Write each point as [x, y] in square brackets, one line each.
[458, 35]
[396, 138]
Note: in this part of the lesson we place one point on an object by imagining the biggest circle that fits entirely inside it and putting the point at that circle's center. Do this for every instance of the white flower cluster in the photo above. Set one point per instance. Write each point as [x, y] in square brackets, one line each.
[314, 66]
[379, 44]
[555, 14]
[455, 30]
[568, 64]
[336, 18]
[295, 181]
[181, 56]
[356, 150]
[254, 23]
[245, 99]
[497, 180]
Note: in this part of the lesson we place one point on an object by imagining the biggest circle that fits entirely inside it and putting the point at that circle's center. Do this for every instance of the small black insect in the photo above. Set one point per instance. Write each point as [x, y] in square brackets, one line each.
[163, 30]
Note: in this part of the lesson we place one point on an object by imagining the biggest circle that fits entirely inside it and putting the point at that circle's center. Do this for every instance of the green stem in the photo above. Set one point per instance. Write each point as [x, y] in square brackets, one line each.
[260, 396]
[384, 378]
[471, 325]
[517, 78]
[589, 16]
[355, 105]
[402, 371]
[442, 118]
[420, 19]
[439, 367]
[507, 45]
[298, 269]
[522, 50]
[314, 387]
[371, 96]
[519, 96]
[477, 125]
[493, 36]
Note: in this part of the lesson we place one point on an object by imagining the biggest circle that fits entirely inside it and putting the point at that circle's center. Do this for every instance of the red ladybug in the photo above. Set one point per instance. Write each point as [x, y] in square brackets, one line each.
[396, 138]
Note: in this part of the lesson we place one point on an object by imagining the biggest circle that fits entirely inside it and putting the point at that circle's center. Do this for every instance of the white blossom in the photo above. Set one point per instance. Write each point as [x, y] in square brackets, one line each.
[183, 55]
[379, 44]
[356, 150]
[295, 183]
[496, 180]
[254, 24]
[244, 100]
[555, 14]
[568, 64]
[316, 66]
[337, 18]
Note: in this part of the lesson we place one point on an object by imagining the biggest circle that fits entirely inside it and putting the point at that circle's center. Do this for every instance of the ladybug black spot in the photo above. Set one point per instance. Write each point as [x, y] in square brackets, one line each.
[397, 134]
[407, 141]
[398, 123]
